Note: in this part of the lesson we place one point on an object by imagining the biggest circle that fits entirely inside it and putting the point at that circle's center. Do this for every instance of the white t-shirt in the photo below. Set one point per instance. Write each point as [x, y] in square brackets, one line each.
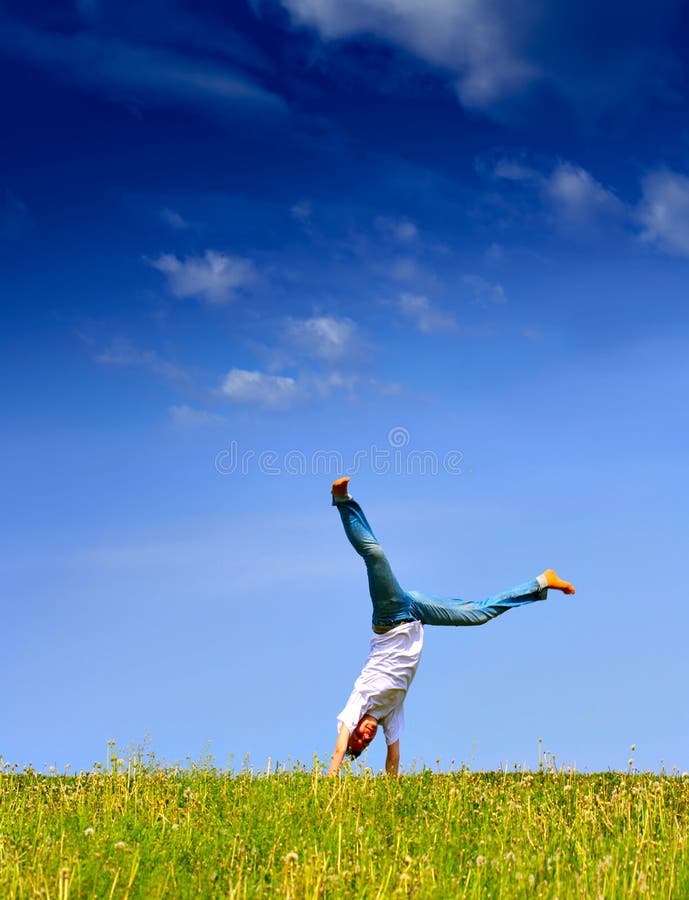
[385, 679]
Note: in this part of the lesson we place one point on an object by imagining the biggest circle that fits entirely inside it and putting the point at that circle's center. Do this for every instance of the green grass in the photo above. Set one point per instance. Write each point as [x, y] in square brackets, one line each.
[155, 832]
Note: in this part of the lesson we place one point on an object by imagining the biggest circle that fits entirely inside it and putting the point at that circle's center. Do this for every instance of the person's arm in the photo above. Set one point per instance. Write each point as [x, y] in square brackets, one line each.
[340, 750]
[392, 760]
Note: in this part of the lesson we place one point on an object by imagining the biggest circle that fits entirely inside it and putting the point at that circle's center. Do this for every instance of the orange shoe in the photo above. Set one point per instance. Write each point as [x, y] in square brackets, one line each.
[340, 491]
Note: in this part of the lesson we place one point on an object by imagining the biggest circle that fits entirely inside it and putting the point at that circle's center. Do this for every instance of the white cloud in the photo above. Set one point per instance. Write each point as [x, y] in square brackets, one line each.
[187, 417]
[122, 353]
[326, 338]
[571, 195]
[473, 41]
[259, 389]
[419, 309]
[279, 392]
[485, 291]
[323, 386]
[494, 50]
[174, 219]
[146, 75]
[213, 277]
[577, 197]
[664, 211]
[402, 230]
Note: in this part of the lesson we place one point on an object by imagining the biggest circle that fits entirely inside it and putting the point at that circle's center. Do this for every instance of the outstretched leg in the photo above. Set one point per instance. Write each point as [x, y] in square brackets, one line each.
[446, 611]
[390, 603]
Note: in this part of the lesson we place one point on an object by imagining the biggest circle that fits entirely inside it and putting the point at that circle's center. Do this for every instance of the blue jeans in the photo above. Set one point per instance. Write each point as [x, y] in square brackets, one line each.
[392, 604]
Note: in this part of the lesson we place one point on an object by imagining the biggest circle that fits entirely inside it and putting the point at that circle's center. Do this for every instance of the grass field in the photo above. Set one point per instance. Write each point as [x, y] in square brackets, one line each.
[153, 832]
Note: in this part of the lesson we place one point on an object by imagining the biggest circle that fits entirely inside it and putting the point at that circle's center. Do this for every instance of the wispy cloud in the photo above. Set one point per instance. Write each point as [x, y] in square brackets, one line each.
[493, 52]
[578, 198]
[425, 317]
[325, 338]
[568, 193]
[473, 42]
[664, 211]
[122, 353]
[214, 277]
[327, 352]
[350, 383]
[172, 218]
[514, 170]
[401, 269]
[302, 211]
[485, 292]
[139, 74]
[256, 388]
[399, 229]
[185, 416]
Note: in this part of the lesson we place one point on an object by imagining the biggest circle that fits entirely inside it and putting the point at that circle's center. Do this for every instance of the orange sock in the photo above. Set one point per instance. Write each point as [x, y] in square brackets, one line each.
[339, 489]
[554, 581]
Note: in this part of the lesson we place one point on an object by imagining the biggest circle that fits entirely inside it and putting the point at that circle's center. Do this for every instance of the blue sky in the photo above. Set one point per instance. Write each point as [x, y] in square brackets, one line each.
[443, 246]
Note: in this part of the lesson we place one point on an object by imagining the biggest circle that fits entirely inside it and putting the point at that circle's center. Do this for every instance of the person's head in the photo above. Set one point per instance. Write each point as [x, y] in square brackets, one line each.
[362, 735]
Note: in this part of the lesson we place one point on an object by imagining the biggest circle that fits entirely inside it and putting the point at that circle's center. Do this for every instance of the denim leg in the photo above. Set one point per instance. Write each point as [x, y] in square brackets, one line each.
[390, 603]
[445, 611]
